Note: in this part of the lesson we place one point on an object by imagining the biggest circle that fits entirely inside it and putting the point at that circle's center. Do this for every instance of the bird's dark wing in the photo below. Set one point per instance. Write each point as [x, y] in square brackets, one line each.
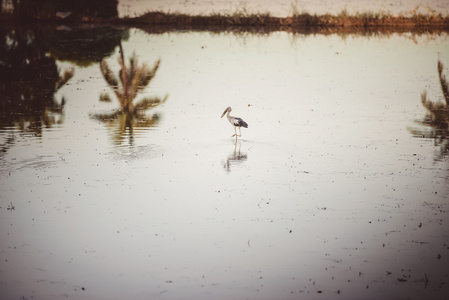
[240, 123]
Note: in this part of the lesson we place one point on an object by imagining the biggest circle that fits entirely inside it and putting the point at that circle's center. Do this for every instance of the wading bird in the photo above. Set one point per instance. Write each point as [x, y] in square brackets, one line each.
[236, 122]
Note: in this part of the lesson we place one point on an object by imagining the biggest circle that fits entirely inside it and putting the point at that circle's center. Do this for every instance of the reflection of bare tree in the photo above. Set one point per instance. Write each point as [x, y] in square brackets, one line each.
[235, 158]
[437, 117]
[131, 80]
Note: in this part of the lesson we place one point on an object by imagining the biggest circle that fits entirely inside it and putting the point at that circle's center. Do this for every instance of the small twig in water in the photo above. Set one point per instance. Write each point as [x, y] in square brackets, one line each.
[418, 242]
[426, 280]
[11, 207]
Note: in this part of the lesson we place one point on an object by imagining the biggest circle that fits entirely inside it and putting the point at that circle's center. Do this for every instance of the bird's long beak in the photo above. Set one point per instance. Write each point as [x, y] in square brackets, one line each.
[224, 113]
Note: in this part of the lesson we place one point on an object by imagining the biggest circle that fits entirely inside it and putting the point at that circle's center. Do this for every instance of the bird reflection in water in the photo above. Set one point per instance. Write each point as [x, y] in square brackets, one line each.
[133, 79]
[235, 158]
[437, 117]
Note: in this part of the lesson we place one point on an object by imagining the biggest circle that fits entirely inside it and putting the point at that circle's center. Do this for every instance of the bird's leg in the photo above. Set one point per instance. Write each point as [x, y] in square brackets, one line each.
[235, 130]
[240, 132]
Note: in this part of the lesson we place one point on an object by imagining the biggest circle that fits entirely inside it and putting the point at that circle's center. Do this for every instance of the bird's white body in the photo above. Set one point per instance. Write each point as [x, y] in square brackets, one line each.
[236, 122]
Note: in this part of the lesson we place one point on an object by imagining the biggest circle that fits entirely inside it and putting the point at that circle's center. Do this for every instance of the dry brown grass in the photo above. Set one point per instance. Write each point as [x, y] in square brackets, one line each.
[304, 19]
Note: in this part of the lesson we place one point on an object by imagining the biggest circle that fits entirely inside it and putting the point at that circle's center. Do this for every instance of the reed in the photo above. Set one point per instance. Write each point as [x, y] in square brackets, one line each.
[436, 119]
[368, 19]
[437, 115]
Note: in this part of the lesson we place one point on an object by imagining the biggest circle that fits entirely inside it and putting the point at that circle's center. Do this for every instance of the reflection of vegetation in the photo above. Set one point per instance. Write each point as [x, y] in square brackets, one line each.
[84, 46]
[131, 80]
[30, 79]
[437, 117]
[438, 113]
[73, 10]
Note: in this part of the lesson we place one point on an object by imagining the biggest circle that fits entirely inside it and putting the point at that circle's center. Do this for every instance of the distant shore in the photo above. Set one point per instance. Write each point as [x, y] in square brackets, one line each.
[343, 19]
[300, 21]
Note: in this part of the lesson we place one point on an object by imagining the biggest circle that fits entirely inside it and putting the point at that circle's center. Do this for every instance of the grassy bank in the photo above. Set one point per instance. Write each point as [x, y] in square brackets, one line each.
[242, 19]
[298, 20]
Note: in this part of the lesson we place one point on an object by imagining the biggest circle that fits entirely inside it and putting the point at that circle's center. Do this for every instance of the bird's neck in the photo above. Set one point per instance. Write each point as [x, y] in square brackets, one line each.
[228, 116]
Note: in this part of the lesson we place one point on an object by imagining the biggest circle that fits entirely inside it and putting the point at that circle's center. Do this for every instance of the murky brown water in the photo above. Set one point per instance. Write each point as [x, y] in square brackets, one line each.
[334, 191]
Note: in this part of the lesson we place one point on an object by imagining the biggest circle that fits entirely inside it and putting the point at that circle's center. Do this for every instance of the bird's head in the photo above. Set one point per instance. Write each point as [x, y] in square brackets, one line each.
[226, 110]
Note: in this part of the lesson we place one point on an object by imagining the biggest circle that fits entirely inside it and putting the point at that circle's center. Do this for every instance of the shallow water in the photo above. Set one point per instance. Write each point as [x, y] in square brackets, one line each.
[328, 194]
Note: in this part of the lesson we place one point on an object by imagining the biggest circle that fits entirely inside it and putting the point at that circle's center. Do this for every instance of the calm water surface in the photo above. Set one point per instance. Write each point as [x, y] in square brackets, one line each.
[335, 191]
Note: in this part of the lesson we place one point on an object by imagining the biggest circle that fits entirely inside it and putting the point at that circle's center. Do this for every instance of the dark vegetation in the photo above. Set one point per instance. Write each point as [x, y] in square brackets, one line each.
[54, 10]
[30, 78]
